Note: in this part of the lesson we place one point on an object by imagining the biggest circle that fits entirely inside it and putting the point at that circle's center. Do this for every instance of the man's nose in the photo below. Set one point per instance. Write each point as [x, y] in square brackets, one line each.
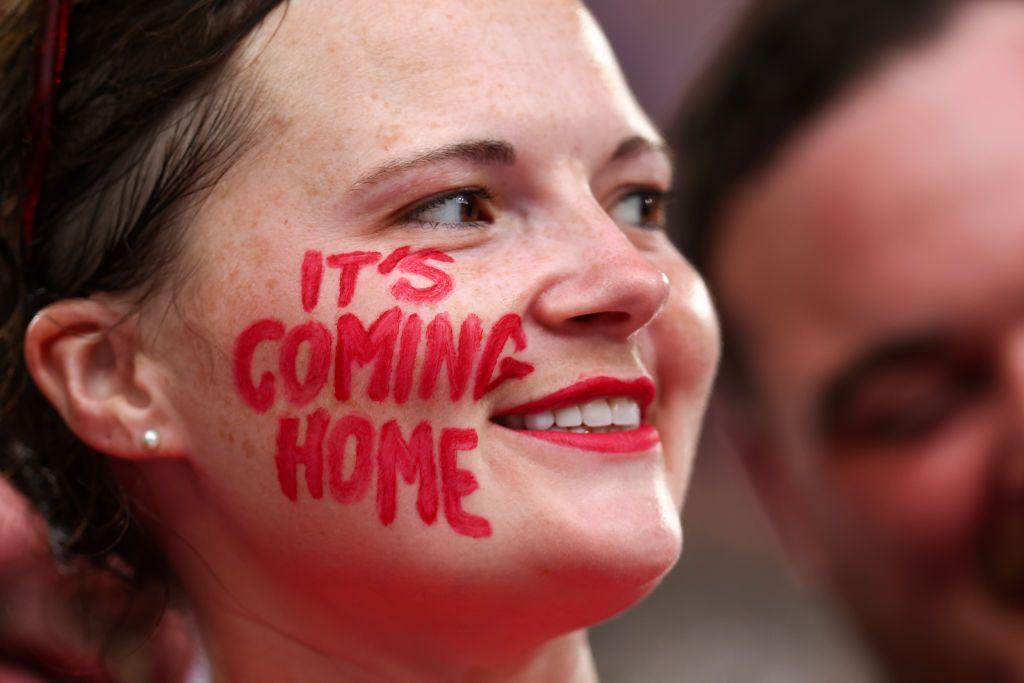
[606, 289]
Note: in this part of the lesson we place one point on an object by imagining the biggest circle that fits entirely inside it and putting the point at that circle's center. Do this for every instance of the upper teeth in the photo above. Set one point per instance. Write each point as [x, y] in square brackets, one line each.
[610, 413]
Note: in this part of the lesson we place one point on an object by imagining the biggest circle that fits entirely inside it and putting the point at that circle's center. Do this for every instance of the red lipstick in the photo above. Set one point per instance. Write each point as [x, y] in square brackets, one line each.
[641, 390]
[640, 439]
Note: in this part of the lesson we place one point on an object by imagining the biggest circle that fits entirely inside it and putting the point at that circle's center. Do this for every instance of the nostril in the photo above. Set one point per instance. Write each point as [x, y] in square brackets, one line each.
[611, 318]
[613, 295]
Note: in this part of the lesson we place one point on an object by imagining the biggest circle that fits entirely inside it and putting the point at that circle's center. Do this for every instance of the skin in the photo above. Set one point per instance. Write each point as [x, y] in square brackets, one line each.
[897, 215]
[315, 590]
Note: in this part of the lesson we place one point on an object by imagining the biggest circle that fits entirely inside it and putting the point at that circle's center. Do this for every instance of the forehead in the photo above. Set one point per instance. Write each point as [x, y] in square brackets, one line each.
[900, 209]
[379, 77]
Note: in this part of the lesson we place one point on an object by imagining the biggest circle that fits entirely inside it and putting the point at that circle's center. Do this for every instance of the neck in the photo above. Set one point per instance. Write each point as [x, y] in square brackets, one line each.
[241, 649]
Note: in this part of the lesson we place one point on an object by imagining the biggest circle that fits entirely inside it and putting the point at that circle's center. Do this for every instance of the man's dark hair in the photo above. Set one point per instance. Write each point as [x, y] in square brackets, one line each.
[786, 62]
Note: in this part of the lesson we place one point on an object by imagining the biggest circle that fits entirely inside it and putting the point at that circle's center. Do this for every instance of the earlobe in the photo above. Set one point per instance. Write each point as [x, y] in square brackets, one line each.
[85, 357]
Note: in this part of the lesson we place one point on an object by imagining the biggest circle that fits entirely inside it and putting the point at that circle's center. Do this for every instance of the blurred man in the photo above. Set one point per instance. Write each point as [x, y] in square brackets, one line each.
[853, 189]
[54, 629]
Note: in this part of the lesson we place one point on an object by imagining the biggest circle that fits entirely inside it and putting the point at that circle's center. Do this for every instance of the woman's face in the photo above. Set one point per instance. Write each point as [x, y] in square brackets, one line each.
[445, 236]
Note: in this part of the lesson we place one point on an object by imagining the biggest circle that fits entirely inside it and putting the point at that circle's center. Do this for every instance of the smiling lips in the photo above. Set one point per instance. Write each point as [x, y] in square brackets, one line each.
[601, 414]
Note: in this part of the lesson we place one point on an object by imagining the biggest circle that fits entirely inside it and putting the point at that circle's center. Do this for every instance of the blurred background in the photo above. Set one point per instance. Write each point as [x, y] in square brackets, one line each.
[732, 609]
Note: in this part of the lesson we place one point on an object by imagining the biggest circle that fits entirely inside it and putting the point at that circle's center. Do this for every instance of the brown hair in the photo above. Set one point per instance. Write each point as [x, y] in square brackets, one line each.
[784, 64]
[151, 112]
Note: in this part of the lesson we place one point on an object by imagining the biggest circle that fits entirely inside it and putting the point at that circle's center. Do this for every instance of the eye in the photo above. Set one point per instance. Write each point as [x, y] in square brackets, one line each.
[461, 208]
[910, 405]
[643, 208]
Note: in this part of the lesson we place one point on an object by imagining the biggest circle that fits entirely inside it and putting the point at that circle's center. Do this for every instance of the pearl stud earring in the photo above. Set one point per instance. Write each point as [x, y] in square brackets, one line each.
[151, 440]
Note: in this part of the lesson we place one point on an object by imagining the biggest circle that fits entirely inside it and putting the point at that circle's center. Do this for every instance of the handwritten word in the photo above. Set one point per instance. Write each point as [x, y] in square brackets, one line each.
[397, 355]
[349, 265]
[324, 453]
[392, 336]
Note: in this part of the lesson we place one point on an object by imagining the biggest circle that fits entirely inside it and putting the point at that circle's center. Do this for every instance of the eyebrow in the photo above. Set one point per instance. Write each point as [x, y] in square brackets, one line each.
[489, 151]
[475, 151]
[638, 145]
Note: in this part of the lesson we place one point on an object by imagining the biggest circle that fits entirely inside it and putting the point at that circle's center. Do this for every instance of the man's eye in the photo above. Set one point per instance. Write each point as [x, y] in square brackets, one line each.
[908, 408]
[644, 208]
[902, 423]
[462, 208]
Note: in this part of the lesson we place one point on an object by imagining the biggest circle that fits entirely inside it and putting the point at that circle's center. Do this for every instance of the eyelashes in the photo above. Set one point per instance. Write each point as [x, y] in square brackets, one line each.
[458, 209]
[470, 208]
[641, 207]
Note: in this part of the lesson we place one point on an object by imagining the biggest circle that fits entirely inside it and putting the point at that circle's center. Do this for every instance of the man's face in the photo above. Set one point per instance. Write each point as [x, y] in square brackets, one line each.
[874, 278]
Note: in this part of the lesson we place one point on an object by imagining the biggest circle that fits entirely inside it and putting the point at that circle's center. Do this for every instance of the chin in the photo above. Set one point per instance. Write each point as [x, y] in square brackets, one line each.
[604, 560]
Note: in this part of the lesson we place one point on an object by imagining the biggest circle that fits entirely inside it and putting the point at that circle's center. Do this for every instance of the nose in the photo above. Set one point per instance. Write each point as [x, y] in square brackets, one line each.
[605, 287]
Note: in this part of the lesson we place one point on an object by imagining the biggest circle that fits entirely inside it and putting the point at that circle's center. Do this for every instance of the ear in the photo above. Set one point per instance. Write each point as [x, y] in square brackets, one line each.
[86, 358]
[774, 479]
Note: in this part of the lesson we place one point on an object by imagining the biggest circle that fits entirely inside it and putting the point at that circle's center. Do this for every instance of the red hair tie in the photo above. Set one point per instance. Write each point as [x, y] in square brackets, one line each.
[51, 44]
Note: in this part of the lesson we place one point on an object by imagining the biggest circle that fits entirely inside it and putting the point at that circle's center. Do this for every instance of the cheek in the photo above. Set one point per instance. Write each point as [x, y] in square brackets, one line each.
[685, 336]
[923, 505]
[682, 347]
[356, 390]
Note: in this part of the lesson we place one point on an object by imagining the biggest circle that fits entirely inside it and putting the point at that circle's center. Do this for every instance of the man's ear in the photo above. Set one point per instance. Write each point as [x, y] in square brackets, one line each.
[775, 480]
[86, 358]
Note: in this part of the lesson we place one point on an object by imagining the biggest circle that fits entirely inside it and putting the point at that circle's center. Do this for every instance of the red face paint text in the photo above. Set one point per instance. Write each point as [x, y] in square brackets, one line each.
[397, 356]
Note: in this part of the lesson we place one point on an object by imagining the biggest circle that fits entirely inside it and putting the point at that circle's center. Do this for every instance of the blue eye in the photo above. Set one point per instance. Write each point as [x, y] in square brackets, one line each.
[643, 208]
[461, 208]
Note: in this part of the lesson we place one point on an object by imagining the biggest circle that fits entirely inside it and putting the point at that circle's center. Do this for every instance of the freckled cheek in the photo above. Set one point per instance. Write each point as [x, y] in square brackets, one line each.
[686, 332]
[218, 423]
[677, 413]
[684, 343]
[681, 346]
[379, 395]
